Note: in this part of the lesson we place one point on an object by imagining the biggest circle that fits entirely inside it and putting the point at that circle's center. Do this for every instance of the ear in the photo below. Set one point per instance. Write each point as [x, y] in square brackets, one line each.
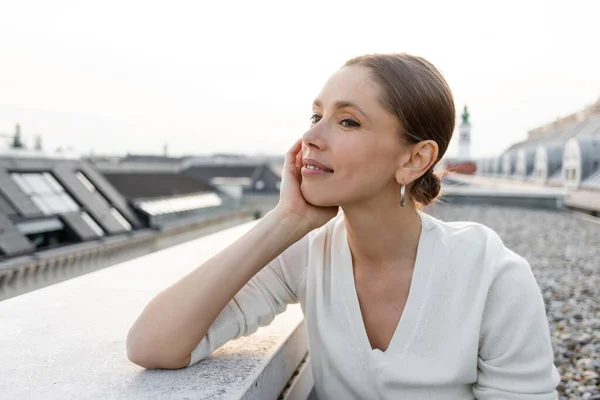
[420, 157]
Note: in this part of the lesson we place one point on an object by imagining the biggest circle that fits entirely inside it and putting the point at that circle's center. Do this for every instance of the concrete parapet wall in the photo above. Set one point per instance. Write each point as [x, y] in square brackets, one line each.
[467, 189]
[490, 192]
[24, 274]
[508, 200]
[67, 341]
[586, 200]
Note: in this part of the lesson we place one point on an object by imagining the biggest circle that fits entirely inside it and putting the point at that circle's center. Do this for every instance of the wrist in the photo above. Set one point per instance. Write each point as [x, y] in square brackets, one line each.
[290, 220]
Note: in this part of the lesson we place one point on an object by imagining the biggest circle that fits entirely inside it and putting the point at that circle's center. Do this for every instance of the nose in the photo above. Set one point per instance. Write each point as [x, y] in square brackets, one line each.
[314, 138]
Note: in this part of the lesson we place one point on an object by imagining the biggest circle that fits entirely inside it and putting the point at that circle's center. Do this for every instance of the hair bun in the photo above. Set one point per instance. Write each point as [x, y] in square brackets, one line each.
[426, 188]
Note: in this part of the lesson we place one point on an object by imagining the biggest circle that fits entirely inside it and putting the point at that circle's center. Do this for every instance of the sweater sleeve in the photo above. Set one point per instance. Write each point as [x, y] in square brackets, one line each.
[267, 294]
[516, 360]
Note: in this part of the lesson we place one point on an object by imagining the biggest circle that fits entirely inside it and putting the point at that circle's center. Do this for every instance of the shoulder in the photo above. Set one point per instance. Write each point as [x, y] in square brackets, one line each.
[475, 247]
[462, 234]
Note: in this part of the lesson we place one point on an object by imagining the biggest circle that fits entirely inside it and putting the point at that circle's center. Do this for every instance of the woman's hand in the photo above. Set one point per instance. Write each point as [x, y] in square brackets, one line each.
[291, 200]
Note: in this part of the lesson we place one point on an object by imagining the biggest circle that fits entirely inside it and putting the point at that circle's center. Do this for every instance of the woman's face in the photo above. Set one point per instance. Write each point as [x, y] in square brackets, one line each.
[354, 138]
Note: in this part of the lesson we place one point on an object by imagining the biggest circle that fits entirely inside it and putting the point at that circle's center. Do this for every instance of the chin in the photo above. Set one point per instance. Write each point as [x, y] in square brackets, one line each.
[318, 198]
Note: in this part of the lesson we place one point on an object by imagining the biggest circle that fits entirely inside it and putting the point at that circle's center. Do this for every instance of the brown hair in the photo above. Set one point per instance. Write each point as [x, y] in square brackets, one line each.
[419, 96]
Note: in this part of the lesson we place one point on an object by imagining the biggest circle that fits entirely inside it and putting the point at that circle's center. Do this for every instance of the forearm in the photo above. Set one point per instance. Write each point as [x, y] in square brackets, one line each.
[177, 319]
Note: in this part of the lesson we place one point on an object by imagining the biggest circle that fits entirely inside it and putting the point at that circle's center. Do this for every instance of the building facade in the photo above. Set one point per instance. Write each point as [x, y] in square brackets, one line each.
[49, 202]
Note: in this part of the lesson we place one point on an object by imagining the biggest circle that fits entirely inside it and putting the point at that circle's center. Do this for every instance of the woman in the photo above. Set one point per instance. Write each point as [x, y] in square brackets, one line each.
[398, 304]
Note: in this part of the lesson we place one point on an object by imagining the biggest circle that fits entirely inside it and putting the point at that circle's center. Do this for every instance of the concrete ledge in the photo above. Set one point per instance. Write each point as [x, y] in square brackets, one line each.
[472, 189]
[588, 200]
[67, 341]
[301, 386]
[273, 376]
[495, 180]
[24, 274]
[498, 197]
[501, 183]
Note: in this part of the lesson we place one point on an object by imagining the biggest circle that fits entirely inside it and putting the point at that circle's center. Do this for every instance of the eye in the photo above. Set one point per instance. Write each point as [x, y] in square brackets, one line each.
[315, 118]
[349, 123]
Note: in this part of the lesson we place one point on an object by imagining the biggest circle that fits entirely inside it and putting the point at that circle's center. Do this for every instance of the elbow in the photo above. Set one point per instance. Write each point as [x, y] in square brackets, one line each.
[139, 354]
[141, 358]
[153, 361]
[144, 356]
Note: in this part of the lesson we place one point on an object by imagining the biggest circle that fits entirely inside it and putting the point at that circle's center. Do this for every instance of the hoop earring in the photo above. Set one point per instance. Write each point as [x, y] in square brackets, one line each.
[402, 193]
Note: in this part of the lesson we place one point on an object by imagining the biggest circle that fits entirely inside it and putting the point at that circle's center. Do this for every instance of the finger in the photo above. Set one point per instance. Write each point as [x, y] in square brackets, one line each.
[299, 158]
[290, 157]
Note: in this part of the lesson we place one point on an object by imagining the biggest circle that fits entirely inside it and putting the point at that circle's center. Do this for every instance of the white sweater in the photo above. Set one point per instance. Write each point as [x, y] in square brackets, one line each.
[474, 325]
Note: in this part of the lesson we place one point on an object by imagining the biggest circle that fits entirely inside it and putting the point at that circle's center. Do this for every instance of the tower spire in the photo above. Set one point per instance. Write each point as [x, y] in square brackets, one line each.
[464, 143]
[465, 116]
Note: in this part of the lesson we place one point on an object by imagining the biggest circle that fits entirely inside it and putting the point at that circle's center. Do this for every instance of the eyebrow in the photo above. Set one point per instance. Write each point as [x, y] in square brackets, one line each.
[343, 104]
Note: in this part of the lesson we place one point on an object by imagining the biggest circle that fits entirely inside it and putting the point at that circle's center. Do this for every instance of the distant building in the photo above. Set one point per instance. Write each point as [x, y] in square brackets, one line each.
[13, 144]
[157, 188]
[238, 179]
[581, 162]
[251, 178]
[49, 202]
[563, 152]
[60, 218]
[464, 144]
[462, 164]
[136, 162]
[163, 198]
[460, 167]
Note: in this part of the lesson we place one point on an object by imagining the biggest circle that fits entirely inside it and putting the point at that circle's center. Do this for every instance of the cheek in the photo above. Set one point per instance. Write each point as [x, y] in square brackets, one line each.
[362, 177]
[363, 161]
[350, 155]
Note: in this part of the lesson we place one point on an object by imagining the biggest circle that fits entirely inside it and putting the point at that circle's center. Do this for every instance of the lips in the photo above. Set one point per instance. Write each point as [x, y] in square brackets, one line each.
[315, 164]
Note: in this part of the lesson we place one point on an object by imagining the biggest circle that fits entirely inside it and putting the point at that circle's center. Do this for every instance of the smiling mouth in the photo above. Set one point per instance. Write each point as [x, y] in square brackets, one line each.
[315, 168]
[314, 165]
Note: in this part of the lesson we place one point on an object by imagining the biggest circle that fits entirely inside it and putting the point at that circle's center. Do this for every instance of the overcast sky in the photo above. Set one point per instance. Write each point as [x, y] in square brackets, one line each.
[240, 76]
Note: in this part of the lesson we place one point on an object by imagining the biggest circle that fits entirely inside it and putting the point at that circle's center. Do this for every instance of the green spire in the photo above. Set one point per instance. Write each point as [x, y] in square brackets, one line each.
[17, 143]
[465, 116]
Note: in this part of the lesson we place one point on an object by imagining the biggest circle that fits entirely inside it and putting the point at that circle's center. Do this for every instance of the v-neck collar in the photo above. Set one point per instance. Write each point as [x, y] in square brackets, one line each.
[419, 286]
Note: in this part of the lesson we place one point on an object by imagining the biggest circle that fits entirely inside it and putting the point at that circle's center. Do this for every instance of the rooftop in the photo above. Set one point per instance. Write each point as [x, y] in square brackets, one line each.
[87, 319]
[141, 185]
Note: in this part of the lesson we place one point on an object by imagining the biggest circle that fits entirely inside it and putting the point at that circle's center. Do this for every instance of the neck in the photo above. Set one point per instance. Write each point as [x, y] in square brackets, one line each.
[383, 234]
